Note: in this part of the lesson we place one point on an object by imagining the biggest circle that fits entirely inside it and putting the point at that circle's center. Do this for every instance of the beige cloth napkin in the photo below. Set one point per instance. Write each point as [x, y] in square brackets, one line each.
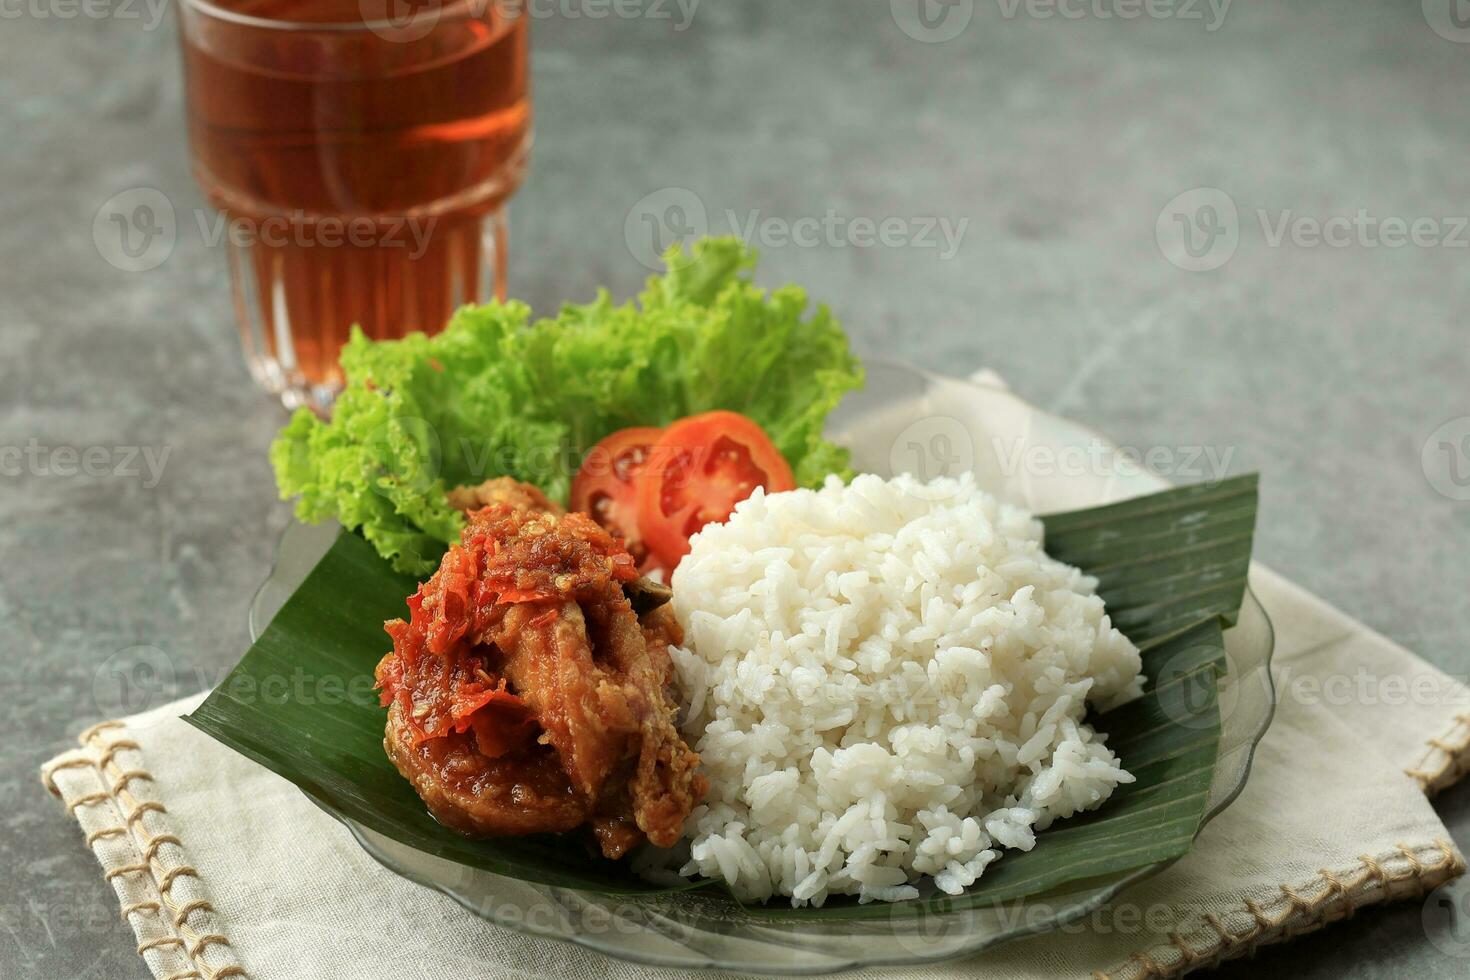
[224, 869]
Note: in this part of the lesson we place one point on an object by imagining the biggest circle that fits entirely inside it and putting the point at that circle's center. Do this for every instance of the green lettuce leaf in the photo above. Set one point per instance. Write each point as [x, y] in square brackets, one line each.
[495, 394]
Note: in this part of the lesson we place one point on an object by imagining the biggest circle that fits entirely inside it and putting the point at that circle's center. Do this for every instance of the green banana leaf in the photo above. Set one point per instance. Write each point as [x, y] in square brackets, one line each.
[1172, 568]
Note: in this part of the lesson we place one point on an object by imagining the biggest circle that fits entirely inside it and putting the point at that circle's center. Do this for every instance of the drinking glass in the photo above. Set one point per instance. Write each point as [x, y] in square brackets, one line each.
[359, 154]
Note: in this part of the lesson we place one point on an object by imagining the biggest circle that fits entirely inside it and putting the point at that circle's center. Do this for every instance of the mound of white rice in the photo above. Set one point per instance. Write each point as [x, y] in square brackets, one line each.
[887, 680]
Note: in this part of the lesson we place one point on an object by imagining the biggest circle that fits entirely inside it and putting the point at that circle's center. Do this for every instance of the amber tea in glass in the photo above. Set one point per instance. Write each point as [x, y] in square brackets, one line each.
[360, 153]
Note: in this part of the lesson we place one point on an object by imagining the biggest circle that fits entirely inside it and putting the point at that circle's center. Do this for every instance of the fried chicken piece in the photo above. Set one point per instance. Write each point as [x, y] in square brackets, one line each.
[587, 716]
[474, 794]
[527, 695]
[502, 490]
[608, 712]
[613, 827]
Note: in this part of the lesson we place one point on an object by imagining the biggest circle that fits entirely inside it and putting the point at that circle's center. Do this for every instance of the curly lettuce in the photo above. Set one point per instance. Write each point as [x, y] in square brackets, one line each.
[495, 394]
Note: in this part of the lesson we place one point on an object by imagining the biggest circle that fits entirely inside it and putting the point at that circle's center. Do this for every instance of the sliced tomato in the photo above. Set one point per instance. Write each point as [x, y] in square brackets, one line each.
[699, 469]
[604, 487]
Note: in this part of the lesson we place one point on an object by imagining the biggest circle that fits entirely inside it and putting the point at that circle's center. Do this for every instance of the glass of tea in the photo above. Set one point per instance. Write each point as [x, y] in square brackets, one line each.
[360, 153]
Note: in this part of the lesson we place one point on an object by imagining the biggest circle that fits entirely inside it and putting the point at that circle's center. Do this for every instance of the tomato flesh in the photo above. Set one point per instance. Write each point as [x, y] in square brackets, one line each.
[697, 472]
[605, 485]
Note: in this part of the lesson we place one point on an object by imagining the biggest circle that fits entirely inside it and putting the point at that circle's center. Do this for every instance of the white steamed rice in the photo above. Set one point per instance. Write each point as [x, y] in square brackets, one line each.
[886, 680]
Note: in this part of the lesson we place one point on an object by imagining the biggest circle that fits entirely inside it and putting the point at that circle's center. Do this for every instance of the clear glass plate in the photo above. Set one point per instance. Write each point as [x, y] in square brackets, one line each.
[904, 420]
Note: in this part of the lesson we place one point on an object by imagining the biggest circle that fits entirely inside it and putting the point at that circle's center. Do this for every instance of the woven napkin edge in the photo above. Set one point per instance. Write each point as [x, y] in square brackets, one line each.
[1446, 759]
[1409, 871]
[162, 896]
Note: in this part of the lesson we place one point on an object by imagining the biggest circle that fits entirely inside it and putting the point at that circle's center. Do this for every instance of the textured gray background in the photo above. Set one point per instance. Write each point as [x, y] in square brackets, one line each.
[1059, 140]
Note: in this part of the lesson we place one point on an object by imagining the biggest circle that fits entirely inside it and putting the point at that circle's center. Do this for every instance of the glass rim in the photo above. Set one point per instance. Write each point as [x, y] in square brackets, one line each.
[458, 10]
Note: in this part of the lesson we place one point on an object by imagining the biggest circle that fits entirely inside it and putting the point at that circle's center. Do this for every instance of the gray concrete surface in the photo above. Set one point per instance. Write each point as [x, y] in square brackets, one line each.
[1060, 140]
